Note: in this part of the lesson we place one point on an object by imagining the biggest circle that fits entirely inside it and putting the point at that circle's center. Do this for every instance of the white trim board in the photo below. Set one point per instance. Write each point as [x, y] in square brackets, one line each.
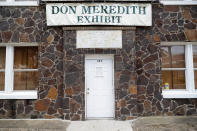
[180, 94]
[19, 95]
[175, 2]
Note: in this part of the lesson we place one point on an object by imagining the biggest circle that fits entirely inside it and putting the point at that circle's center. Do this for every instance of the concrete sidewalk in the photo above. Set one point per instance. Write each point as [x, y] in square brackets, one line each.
[174, 123]
[165, 123]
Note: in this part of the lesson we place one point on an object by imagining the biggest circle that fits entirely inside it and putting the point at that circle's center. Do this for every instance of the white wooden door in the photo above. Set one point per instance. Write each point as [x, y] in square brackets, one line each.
[99, 88]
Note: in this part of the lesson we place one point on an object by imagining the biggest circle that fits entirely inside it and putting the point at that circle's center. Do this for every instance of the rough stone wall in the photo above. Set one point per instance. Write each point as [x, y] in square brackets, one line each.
[27, 25]
[61, 93]
[170, 23]
[124, 73]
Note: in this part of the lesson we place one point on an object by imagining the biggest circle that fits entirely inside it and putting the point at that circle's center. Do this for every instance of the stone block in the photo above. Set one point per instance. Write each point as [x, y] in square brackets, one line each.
[52, 94]
[191, 35]
[171, 8]
[133, 90]
[42, 105]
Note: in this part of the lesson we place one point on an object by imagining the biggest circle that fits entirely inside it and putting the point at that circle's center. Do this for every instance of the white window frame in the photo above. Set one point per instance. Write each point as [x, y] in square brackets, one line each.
[190, 91]
[178, 2]
[8, 92]
[19, 3]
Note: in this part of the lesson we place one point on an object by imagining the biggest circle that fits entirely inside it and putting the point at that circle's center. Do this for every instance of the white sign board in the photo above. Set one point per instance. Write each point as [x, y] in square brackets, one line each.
[99, 39]
[121, 14]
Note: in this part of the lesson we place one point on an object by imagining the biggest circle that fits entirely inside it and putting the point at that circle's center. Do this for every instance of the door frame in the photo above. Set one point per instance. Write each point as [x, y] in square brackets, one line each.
[96, 57]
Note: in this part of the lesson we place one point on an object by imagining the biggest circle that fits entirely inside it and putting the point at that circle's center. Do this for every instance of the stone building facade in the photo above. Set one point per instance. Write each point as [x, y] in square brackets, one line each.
[137, 65]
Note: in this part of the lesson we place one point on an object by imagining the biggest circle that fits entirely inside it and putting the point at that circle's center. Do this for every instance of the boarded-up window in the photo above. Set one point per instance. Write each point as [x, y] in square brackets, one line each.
[25, 68]
[2, 68]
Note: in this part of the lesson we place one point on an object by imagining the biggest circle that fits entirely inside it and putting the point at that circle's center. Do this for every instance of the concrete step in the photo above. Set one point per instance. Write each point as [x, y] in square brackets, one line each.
[100, 125]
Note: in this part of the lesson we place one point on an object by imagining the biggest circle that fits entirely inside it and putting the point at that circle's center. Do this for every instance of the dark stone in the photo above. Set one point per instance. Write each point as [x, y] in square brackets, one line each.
[140, 108]
[51, 111]
[122, 93]
[157, 95]
[180, 22]
[2, 112]
[60, 66]
[183, 101]
[158, 105]
[174, 21]
[4, 12]
[124, 111]
[59, 102]
[20, 108]
[4, 25]
[171, 8]
[50, 49]
[190, 26]
[149, 66]
[28, 109]
[29, 30]
[49, 56]
[141, 90]
[165, 103]
[151, 58]
[7, 106]
[173, 14]
[16, 13]
[150, 89]
[124, 78]
[65, 103]
[71, 68]
[193, 12]
[181, 36]
[36, 16]
[71, 78]
[139, 64]
[46, 73]
[29, 22]
[1, 104]
[173, 106]
[168, 37]
[132, 103]
[180, 111]
[46, 62]
[78, 99]
[191, 112]
[152, 48]
[74, 107]
[173, 28]
[75, 117]
[165, 15]
[142, 80]
[174, 37]
[27, 14]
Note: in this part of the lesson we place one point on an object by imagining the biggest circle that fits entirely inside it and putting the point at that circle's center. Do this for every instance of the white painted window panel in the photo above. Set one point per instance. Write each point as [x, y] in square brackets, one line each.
[9, 74]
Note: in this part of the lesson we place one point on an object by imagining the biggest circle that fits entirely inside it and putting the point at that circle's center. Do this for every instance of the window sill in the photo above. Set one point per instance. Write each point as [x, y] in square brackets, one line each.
[174, 2]
[181, 94]
[19, 95]
[20, 3]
